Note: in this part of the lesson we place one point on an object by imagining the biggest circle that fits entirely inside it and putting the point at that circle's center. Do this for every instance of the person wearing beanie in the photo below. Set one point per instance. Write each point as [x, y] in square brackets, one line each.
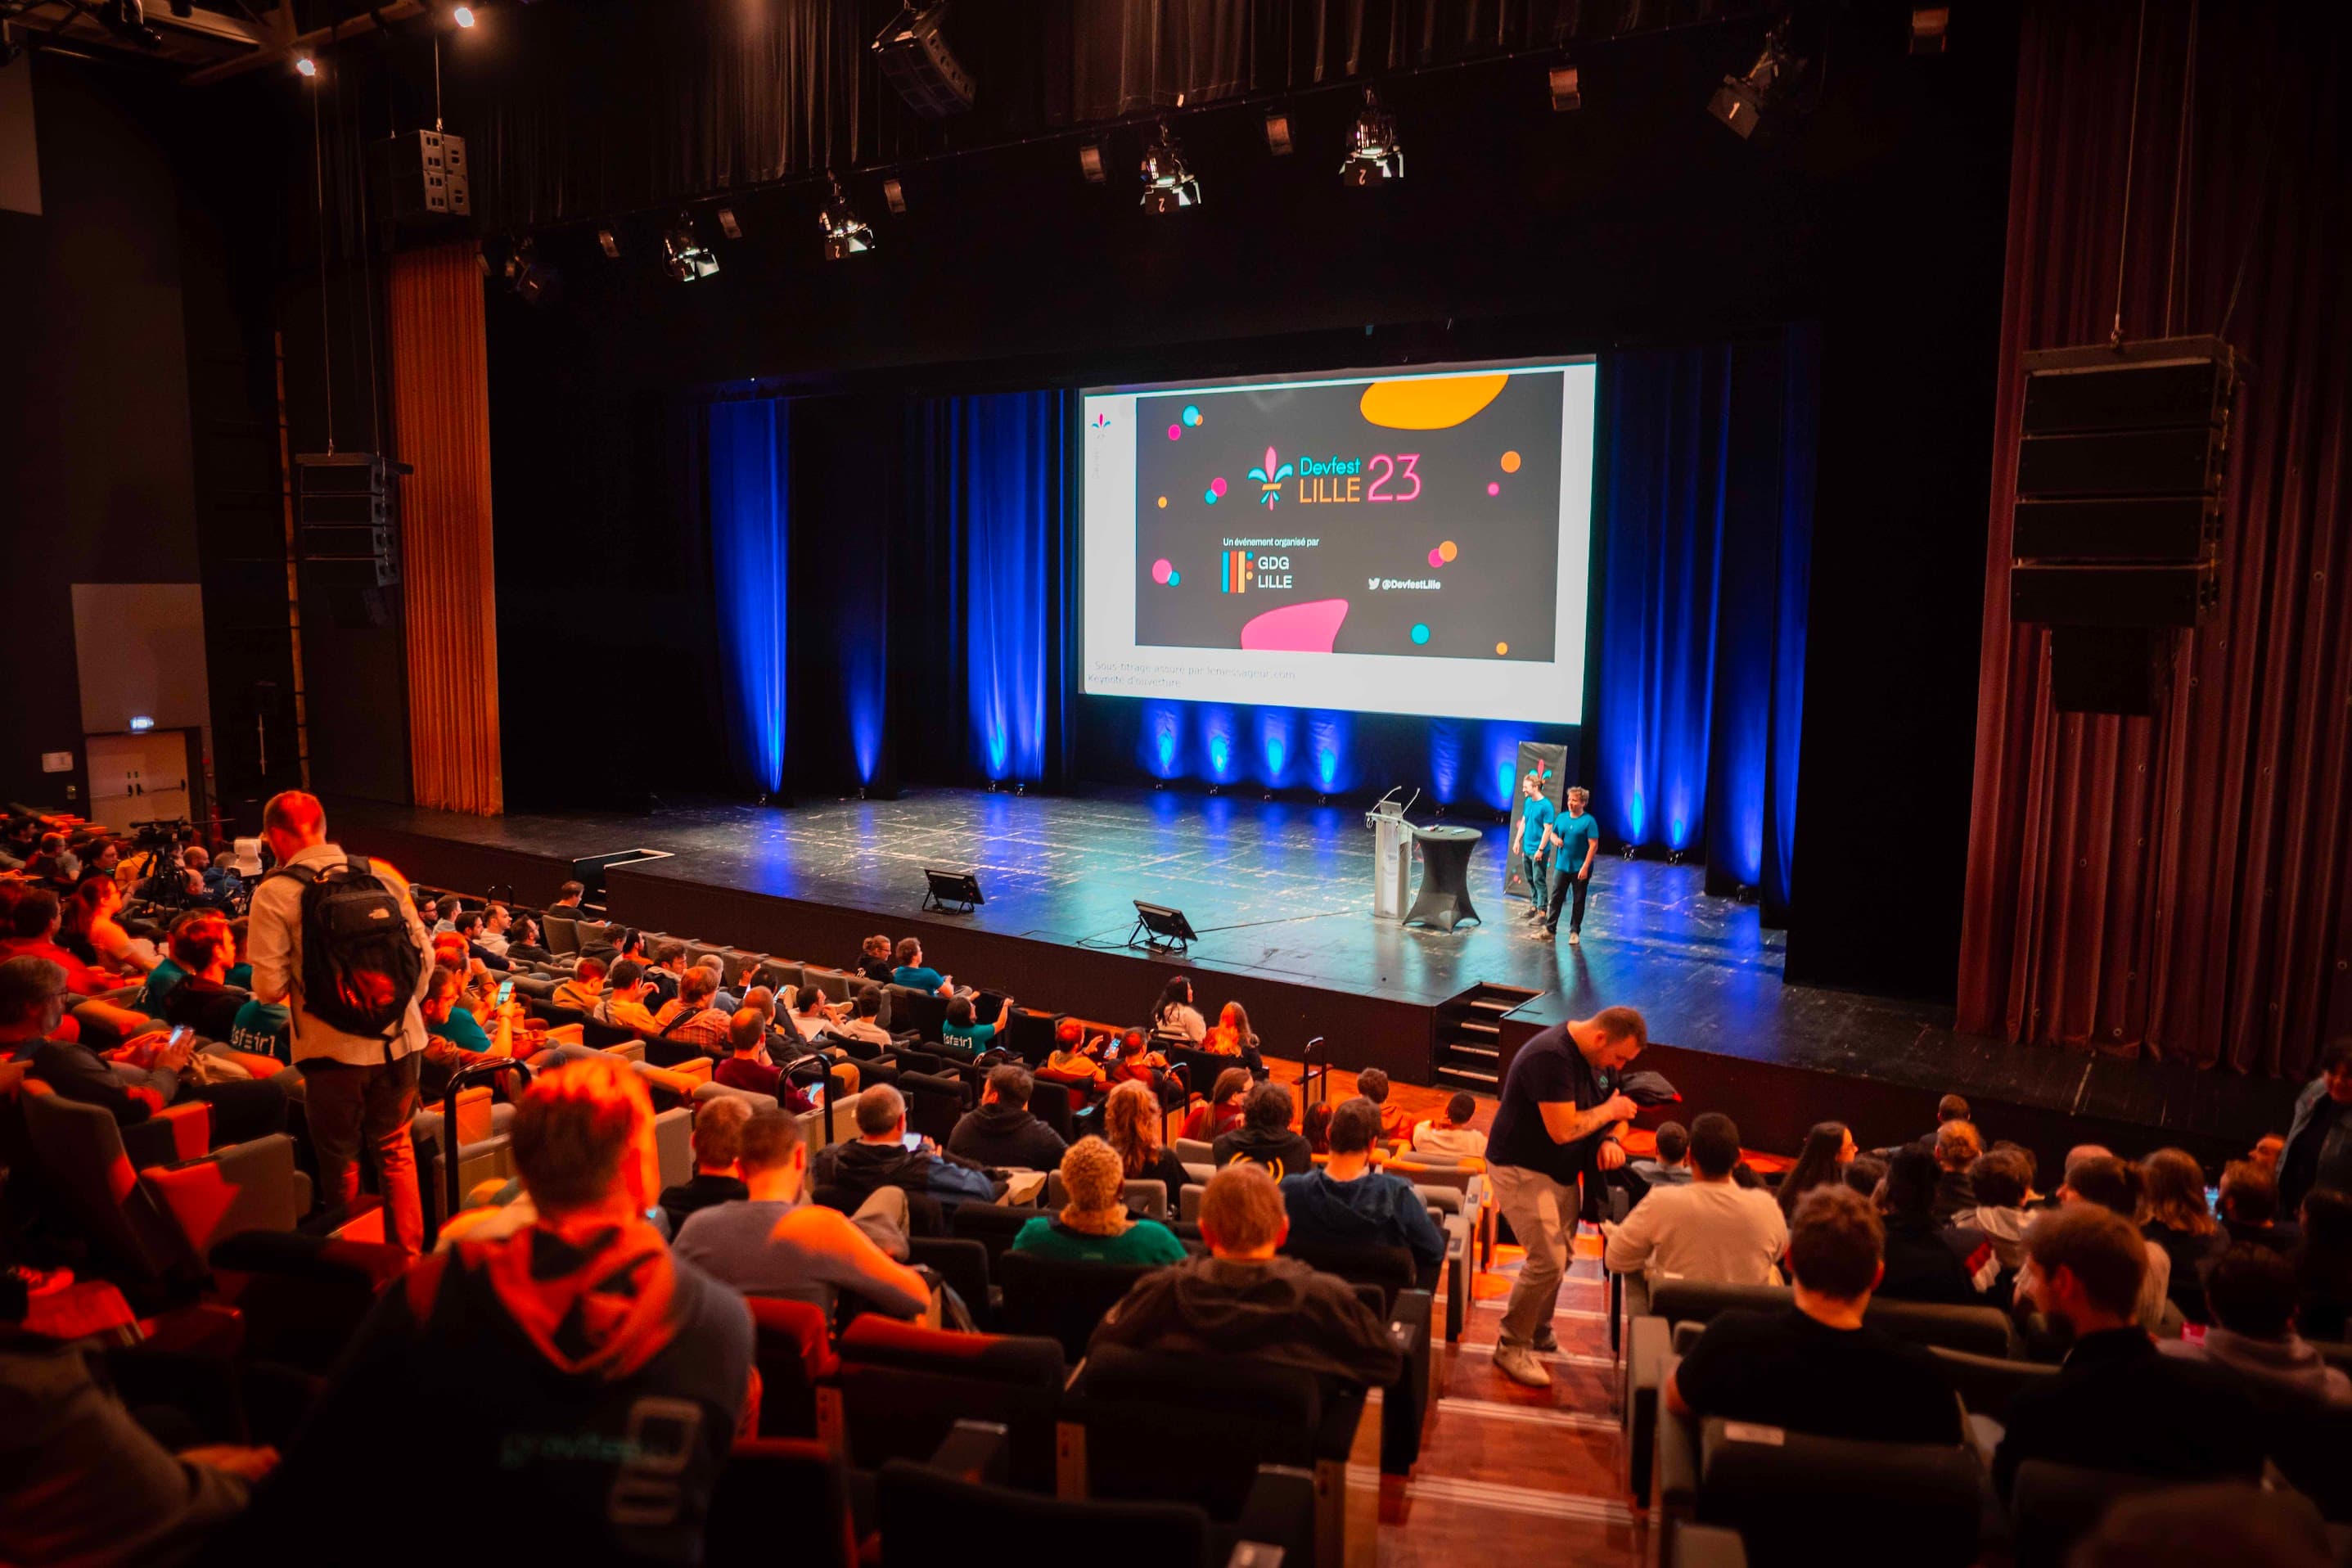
[1093, 1226]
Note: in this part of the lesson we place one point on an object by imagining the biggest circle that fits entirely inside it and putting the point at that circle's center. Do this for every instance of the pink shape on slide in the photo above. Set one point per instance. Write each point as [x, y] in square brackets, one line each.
[1311, 628]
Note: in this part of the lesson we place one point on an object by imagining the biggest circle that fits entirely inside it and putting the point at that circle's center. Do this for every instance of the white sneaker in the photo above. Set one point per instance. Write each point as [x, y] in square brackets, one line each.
[1519, 1363]
[1572, 940]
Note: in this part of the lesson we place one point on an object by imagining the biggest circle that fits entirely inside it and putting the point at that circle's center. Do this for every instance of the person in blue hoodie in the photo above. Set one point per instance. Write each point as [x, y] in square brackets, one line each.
[1347, 1203]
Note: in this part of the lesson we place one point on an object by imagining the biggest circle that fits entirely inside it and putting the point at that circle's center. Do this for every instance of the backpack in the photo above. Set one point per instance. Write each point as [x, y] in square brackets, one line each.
[360, 963]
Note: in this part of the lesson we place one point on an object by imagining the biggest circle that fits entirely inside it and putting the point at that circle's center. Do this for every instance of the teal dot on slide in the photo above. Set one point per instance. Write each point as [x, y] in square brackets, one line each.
[1420, 633]
[1209, 496]
[1192, 414]
[1174, 578]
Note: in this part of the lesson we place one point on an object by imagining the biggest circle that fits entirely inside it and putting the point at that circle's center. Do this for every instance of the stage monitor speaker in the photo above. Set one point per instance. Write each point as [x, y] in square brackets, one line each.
[915, 57]
[343, 515]
[1160, 928]
[951, 892]
[2122, 452]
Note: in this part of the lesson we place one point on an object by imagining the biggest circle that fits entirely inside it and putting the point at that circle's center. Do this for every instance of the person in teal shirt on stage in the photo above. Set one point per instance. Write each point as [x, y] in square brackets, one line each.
[1536, 818]
[1579, 837]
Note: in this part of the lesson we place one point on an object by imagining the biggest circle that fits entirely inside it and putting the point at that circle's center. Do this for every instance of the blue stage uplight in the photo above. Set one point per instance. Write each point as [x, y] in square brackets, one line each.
[1326, 745]
[864, 738]
[750, 528]
[1499, 778]
[1275, 748]
[1219, 749]
[1163, 737]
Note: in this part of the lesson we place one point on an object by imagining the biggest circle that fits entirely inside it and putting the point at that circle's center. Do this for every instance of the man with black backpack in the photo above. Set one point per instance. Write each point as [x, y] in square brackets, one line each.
[335, 937]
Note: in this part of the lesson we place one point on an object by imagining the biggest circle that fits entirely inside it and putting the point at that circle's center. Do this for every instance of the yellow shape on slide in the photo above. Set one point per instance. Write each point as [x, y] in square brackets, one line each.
[1438, 403]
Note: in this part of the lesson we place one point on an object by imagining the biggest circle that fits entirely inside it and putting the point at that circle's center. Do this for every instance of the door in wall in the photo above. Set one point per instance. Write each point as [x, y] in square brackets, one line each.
[141, 777]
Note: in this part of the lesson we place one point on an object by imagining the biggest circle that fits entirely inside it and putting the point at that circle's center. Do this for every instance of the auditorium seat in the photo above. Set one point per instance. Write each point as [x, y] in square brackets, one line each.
[775, 1490]
[794, 1352]
[963, 1265]
[776, 973]
[993, 1226]
[1061, 1300]
[1988, 1384]
[1052, 1104]
[592, 934]
[1192, 1151]
[832, 982]
[898, 1389]
[935, 1103]
[918, 1011]
[1030, 1035]
[1798, 1499]
[2053, 1506]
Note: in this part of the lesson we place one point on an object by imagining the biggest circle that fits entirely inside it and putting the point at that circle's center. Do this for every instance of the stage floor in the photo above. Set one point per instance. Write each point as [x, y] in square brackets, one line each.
[1282, 891]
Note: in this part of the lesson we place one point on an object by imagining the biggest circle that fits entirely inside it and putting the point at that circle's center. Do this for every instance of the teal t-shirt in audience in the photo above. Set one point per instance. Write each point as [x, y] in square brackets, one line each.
[923, 979]
[241, 975]
[263, 1028]
[1143, 1241]
[160, 981]
[976, 1036]
[463, 1030]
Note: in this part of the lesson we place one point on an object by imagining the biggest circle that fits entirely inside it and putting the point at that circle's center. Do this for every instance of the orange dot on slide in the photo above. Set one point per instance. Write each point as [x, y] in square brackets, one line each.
[1510, 462]
[1502, 647]
[1446, 551]
[1163, 501]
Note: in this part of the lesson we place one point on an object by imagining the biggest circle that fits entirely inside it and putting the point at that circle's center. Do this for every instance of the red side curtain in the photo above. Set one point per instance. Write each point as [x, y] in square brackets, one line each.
[2181, 886]
[440, 399]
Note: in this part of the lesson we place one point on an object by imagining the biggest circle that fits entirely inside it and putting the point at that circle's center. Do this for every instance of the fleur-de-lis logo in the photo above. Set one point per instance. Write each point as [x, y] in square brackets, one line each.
[1269, 479]
[1102, 421]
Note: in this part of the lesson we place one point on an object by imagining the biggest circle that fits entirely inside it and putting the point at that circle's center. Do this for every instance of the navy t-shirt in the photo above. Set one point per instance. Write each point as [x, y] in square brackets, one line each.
[1548, 1069]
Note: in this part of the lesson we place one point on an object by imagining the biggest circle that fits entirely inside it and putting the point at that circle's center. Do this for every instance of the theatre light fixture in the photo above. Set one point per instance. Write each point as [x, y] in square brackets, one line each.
[608, 244]
[1168, 183]
[1090, 161]
[463, 15]
[1374, 156]
[1928, 24]
[1566, 88]
[1277, 132]
[895, 196]
[727, 224]
[1741, 100]
[845, 234]
[686, 258]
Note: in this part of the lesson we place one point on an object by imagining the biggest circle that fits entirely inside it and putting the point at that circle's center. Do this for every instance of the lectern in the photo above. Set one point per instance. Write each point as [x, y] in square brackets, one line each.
[1391, 861]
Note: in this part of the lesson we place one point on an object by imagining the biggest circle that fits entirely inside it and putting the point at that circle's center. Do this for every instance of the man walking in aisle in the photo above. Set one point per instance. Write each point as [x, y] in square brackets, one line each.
[1558, 1122]
[1579, 837]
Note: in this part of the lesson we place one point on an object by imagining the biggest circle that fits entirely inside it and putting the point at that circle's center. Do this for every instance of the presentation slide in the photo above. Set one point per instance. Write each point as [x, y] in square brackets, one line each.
[1408, 541]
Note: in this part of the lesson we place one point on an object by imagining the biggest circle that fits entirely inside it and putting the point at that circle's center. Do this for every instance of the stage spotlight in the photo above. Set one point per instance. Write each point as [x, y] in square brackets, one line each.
[1567, 90]
[1090, 161]
[951, 892]
[608, 244]
[845, 234]
[305, 65]
[463, 15]
[1928, 24]
[727, 224]
[687, 257]
[533, 280]
[1373, 155]
[1168, 184]
[895, 196]
[1277, 132]
[1741, 100]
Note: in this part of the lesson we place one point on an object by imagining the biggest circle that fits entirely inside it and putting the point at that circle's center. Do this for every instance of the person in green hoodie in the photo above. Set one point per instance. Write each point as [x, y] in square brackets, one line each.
[1093, 1226]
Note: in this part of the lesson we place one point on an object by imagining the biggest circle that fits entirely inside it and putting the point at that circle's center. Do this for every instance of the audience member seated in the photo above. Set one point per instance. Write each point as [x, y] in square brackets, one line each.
[150, 1073]
[467, 927]
[1093, 1226]
[1709, 1228]
[864, 1021]
[205, 1002]
[38, 916]
[2117, 1404]
[591, 1380]
[1265, 1137]
[2249, 1302]
[666, 967]
[875, 962]
[1952, 1108]
[1221, 1112]
[527, 940]
[777, 1242]
[2173, 1216]
[2250, 1209]
[1002, 1132]
[917, 975]
[1998, 1180]
[498, 922]
[1957, 1145]
[2096, 1177]
[1075, 1061]
[1244, 1298]
[717, 1142]
[1449, 1135]
[1131, 1125]
[567, 902]
[1233, 1037]
[2322, 1268]
[1315, 1126]
[87, 1482]
[1173, 1017]
[1821, 1163]
[849, 1173]
[2318, 1148]
[622, 1005]
[1347, 1203]
[1816, 1367]
[91, 930]
[747, 1067]
[690, 1023]
[812, 1015]
[1863, 1173]
[963, 1027]
[585, 989]
[1925, 1261]
[1396, 1122]
[2266, 1151]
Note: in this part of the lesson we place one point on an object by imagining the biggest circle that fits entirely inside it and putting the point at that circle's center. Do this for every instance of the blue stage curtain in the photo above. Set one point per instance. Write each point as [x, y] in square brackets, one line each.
[747, 471]
[1707, 522]
[997, 514]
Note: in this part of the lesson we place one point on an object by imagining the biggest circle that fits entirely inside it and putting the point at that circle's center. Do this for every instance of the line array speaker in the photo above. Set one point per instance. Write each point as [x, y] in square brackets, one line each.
[343, 515]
